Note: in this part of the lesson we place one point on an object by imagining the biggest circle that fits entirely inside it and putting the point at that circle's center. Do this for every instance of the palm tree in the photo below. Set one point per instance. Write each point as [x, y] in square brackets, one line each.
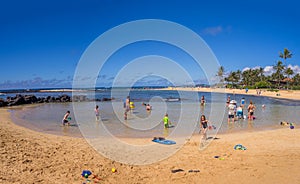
[261, 73]
[246, 77]
[238, 76]
[296, 79]
[254, 76]
[288, 72]
[286, 54]
[220, 74]
[233, 78]
[278, 73]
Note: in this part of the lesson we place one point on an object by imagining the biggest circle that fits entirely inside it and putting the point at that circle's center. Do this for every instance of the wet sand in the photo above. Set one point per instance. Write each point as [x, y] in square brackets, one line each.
[272, 156]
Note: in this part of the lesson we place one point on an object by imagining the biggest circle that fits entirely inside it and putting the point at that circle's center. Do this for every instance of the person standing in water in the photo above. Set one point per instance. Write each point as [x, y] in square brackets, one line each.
[243, 102]
[228, 100]
[202, 103]
[97, 113]
[251, 109]
[239, 112]
[166, 121]
[66, 118]
[127, 104]
[231, 111]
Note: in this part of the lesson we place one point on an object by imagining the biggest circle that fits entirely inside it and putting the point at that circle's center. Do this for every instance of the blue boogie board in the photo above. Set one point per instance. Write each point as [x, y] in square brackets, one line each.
[161, 140]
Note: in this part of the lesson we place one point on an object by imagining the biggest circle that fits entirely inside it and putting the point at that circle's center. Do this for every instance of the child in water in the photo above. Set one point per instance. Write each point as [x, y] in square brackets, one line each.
[66, 118]
[166, 121]
[148, 107]
[204, 126]
[97, 113]
[239, 112]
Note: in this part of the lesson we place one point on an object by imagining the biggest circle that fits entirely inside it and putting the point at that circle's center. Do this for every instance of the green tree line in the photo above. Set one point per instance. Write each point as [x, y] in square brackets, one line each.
[282, 77]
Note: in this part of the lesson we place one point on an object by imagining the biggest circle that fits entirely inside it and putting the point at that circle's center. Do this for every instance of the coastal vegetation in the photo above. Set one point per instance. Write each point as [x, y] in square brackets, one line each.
[283, 76]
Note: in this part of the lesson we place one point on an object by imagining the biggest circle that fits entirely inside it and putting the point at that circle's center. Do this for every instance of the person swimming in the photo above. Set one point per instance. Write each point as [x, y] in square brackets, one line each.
[148, 107]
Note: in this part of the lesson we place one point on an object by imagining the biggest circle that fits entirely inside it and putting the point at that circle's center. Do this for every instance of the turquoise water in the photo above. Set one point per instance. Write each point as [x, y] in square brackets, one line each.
[47, 117]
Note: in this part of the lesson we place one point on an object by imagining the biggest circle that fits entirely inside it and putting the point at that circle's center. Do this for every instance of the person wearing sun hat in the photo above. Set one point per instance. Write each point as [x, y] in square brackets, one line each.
[231, 110]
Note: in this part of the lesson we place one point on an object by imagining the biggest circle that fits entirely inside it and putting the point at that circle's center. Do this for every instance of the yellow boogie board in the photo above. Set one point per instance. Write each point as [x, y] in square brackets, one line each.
[131, 105]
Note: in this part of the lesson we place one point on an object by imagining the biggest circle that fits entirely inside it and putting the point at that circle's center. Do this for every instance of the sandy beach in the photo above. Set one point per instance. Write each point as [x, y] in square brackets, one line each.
[32, 157]
[283, 94]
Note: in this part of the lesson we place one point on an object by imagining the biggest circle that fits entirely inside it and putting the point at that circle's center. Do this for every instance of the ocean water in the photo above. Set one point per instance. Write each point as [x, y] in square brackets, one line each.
[183, 114]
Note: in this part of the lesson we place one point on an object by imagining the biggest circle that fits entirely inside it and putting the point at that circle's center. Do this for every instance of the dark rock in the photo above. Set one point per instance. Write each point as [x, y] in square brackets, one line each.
[31, 99]
[3, 102]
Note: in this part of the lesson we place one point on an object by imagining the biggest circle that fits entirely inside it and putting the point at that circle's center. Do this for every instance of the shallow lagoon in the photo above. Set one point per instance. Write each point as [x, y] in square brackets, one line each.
[47, 117]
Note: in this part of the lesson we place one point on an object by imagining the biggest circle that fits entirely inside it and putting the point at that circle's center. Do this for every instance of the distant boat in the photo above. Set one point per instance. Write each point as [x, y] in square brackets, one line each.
[172, 99]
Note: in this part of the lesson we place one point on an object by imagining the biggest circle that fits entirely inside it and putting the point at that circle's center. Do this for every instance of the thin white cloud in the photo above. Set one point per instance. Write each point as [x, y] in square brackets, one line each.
[245, 69]
[213, 31]
[268, 70]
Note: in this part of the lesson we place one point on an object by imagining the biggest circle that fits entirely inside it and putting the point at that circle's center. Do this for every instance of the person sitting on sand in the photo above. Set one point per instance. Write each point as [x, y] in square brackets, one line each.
[166, 121]
[204, 126]
[65, 120]
[251, 109]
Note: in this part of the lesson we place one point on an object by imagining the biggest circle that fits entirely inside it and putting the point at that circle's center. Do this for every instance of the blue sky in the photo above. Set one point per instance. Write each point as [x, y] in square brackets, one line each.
[42, 41]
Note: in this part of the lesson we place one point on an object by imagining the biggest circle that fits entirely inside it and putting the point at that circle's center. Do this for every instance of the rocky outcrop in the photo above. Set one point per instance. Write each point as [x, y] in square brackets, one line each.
[31, 99]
